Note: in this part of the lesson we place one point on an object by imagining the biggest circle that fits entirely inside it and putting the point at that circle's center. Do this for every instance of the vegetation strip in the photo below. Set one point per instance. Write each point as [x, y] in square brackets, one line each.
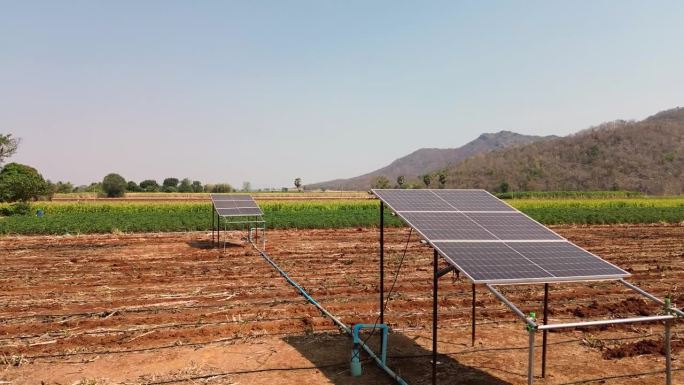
[88, 217]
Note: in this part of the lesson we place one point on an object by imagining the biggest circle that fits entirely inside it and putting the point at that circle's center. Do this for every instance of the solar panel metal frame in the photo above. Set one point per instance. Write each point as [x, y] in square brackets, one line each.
[235, 205]
[527, 280]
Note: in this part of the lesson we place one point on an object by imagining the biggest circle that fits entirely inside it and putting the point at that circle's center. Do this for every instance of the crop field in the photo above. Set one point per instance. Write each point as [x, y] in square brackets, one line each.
[166, 308]
[131, 216]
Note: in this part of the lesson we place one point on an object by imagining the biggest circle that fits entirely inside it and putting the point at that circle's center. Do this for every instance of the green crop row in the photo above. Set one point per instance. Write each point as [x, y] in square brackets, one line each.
[74, 218]
[569, 194]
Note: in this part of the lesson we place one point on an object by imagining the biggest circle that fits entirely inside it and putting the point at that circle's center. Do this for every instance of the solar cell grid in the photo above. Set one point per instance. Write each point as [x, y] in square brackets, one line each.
[472, 200]
[231, 197]
[484, 262]
[413, 200]
[446, 225]
[250, 211]
[224, 204]
[565, 259]
[513, 226]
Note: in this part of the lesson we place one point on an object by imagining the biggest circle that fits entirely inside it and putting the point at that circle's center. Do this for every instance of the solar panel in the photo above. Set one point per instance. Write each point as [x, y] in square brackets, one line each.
[513, 226]
[490, 241]
[233, 205]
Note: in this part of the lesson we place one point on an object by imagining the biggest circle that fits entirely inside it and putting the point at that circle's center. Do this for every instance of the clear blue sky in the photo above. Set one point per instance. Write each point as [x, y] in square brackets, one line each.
[266, 91]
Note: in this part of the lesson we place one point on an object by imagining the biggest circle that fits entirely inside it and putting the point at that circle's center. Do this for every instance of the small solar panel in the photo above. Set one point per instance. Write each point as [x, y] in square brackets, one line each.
[232, 205]
[490, 241]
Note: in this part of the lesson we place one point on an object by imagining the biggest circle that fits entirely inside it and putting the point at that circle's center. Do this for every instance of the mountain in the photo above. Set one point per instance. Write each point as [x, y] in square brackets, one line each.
[426, 160]
[646, 156]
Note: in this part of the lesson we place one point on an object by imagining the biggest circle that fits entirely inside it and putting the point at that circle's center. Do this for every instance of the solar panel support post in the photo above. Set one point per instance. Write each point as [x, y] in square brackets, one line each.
[530, 358]
[382, 262]
[668, 352]
[435, 281]
[546, 321]
[472, 337]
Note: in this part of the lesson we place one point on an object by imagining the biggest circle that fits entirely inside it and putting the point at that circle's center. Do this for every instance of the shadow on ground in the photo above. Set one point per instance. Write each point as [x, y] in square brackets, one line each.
[409, 360]
[200, 244]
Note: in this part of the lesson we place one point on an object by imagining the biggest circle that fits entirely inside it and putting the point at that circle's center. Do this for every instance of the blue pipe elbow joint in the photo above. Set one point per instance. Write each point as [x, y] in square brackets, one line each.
[355, 364]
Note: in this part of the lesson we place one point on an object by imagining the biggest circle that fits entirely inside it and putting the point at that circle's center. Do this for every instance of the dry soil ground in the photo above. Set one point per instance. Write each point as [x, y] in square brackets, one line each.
[168, 308]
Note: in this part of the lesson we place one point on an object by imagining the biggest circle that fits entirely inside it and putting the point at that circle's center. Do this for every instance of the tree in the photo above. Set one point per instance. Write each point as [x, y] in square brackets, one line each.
[400, 181]
[503, 187]
[381, 182]
[185, 186]
[442, 178]
[427, 179]
[221, 188]
[170, 182]
[246, 186]
[19, 182]
[94, 187]
[197, 186]
[63, 187]
[8, 146]
[114, 185]
[149, 185]
[132, 186]
[298, 183]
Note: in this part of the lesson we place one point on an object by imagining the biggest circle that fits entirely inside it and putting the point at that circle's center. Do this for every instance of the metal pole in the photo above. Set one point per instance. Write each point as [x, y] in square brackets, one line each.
[382, 269]
[530, 360]
[472, 338]
[546, 321]
[650, 296]
[614, 321]
[434, 319]
[382, 262]
[668, 353]
[212, 224]
[511, 306]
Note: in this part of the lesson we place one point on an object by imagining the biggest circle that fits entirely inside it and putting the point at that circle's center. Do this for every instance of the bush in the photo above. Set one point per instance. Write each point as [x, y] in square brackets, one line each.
[114, 185]
[149, 185]
[170, 182]
[19, 208]
[222, 188]
[185, 186]
[132, 186]
[19, 182]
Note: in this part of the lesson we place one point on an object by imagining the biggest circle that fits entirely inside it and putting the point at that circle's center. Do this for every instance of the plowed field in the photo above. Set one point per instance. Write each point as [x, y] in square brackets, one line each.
[168, 308]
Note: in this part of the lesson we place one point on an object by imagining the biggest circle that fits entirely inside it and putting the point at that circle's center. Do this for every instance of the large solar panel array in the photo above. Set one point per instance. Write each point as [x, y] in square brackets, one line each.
[235, 205]
[490, 241]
